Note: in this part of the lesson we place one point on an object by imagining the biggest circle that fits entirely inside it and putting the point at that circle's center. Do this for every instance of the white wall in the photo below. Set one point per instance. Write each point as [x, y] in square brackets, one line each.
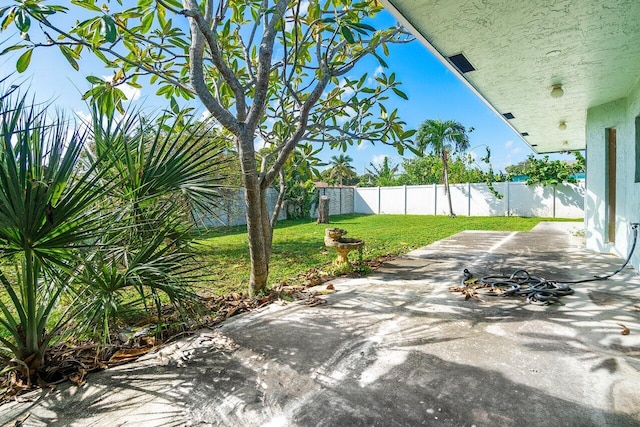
[467, 199]
[621, 115]
[519, 199]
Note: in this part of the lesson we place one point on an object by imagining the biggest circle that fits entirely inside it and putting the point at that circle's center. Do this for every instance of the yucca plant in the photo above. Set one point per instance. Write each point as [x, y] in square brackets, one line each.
[49, 211]
[171, 159]
[135, 279]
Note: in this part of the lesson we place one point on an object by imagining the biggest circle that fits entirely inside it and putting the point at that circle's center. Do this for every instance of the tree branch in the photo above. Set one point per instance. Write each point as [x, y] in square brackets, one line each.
[196, 72]
[201, 27]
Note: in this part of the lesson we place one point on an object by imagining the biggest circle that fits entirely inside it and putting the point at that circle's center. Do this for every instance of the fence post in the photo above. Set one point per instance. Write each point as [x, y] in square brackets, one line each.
[435, 199]
[507, 201]
[468, 199]
[554, 201]
[404, 187]
[379, 200]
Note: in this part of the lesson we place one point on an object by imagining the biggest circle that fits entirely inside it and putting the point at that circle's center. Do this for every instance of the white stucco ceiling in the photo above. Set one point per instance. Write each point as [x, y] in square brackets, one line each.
[519, 49]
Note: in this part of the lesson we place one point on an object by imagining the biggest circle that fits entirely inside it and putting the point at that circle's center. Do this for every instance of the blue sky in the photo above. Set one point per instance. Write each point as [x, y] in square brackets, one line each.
[434, 93]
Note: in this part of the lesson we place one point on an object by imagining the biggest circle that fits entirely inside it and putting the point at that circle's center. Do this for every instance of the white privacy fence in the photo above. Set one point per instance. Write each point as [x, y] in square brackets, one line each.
[519, 199]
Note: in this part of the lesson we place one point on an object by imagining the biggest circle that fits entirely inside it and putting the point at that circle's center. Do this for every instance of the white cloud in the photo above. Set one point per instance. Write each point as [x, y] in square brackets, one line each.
[363, 145]
[84, 121]
[508, 144]
[84, 117]
[348, 91]
[131, 93]
[204, 116]
[379, 70]
[378, 159]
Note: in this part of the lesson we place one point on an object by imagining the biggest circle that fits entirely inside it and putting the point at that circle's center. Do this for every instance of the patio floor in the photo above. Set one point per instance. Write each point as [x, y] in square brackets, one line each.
[396, 348]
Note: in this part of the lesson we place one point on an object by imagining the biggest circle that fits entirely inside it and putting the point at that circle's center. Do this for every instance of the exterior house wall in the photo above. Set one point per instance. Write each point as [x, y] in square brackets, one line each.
[621, 115]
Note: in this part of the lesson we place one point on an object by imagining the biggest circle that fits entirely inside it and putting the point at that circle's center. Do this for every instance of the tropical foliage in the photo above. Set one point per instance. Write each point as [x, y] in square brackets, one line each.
[382, 175]
[549, 172]
[341, 168]
[93, 222]
[444, 138]
[279, 72]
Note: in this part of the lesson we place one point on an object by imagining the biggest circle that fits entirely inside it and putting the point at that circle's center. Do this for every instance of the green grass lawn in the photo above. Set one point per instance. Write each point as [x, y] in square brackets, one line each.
[298, 246]
[222, 254]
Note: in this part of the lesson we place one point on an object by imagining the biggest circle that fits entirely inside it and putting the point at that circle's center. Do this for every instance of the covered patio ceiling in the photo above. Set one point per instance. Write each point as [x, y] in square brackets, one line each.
[519, 50]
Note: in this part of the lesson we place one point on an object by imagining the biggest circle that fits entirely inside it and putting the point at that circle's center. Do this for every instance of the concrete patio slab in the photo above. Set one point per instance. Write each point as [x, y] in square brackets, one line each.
[396, 348]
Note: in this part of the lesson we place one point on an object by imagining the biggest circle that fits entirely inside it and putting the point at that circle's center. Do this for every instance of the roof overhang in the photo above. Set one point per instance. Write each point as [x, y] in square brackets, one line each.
[520, 50]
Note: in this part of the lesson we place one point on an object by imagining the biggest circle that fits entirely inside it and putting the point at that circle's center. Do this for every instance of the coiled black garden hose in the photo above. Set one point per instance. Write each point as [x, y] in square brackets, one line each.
[535, 289]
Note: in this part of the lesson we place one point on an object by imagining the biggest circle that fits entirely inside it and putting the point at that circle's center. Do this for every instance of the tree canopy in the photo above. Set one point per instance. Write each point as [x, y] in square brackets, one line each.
[275, 72]
[549, 172]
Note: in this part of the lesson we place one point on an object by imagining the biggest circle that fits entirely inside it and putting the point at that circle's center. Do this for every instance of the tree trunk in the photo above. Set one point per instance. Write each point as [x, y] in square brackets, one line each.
[323, 210]
[258, 224]
[446, 186]
[280, 201]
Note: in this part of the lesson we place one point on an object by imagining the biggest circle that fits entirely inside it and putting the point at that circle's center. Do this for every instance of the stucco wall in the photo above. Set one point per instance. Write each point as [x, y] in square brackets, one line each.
[232, 210]
[620, 115]
[340, 200]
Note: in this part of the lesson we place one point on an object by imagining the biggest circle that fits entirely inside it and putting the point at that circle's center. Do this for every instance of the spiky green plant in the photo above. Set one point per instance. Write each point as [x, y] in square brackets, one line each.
[94, 219]
[49, 210]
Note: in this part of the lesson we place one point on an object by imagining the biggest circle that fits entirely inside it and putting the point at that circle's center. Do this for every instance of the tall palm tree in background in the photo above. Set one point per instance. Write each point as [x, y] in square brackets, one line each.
[341, 168]
[444, 138]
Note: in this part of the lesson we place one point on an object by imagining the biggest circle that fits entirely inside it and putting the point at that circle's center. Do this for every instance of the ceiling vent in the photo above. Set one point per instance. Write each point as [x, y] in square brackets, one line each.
[461, 63]
[524, 134]
[509, 116]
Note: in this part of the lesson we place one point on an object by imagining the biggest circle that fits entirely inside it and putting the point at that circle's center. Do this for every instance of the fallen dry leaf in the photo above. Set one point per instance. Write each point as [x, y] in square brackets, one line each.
[625, 330]
[129, 353]
[330, 287]
[79, 377]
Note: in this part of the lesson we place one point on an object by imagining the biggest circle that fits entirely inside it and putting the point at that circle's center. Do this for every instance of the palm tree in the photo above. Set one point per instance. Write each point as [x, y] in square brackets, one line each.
[444, 138]
[341, 168]
[91, 217]
[383, 175]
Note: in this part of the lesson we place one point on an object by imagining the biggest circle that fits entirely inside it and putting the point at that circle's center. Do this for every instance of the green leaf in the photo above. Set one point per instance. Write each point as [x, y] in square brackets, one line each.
[12, 48]
[23, 22]
[69, 55]
[145, 23]
[8, 19]
[23, 61]
[380, 60]
[174, 105]
[400, 93]
[87, 4]
[347, 34]
[95, 80]
[109, 29]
